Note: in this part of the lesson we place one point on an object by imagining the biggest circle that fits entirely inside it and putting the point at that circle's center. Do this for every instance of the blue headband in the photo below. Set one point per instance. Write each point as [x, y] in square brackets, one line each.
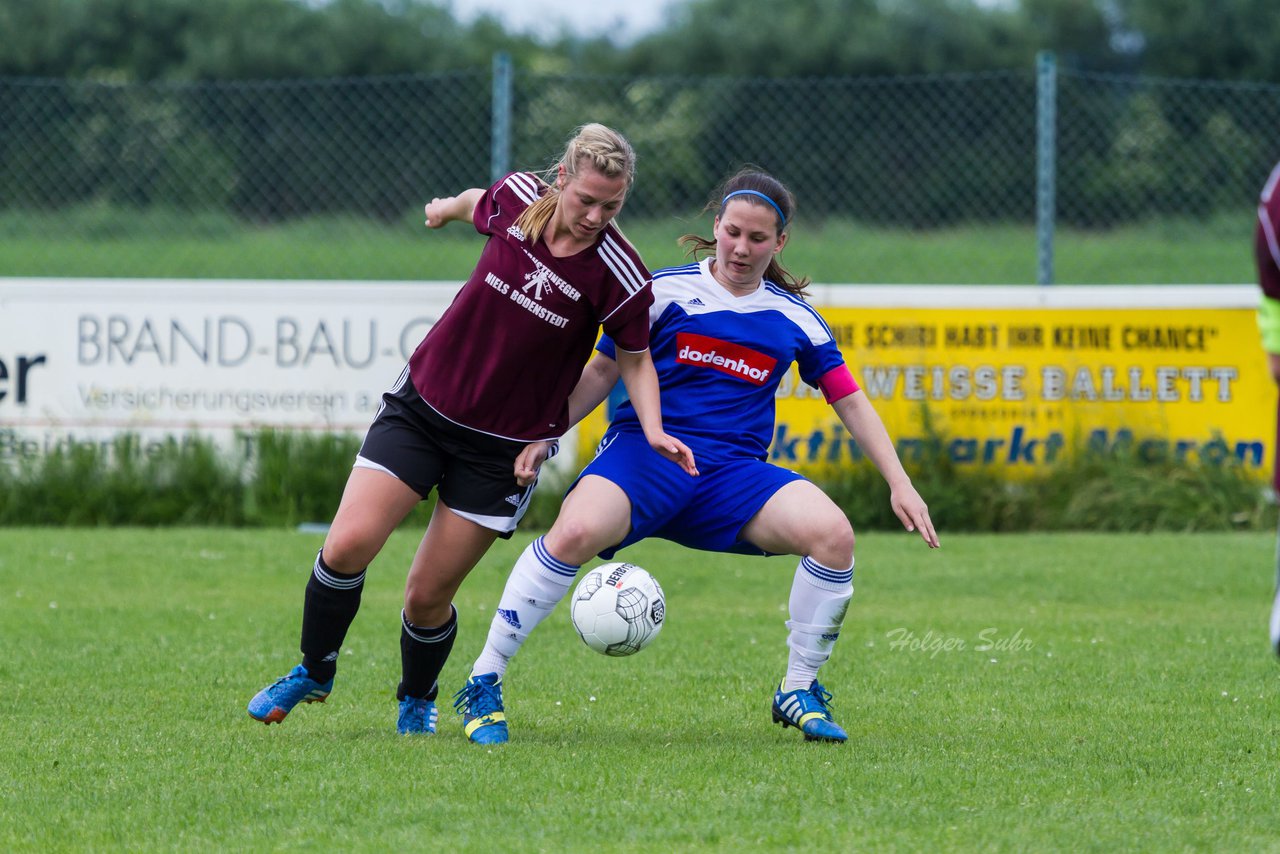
[772, 203]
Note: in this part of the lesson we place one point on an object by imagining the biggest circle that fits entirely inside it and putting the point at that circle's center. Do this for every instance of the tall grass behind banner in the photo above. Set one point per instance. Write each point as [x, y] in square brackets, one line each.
[282, 479]
[125, 482]
[296, 477]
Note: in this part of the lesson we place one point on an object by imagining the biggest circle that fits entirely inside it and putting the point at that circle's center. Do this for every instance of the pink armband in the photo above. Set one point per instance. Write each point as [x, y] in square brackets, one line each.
[837, 383]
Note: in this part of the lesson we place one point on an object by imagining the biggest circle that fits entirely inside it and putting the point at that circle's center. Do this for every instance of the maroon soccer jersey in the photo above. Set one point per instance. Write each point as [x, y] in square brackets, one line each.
[505, 355]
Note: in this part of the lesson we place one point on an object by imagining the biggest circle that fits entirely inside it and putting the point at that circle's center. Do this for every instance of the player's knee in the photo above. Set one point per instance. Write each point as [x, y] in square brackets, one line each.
[832, 543]
[573, 540]
[416, 599]
[424, 605]
[349, 551]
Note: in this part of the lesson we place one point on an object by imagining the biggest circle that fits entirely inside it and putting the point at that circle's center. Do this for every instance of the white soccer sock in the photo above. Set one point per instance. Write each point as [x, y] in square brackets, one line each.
[1275, 606]
[819, 598]
[537, 583]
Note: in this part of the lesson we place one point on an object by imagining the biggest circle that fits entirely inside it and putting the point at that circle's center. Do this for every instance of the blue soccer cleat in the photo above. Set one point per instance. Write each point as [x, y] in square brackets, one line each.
[808, 710]
[480, 704]
[272, 703]
[417, 717]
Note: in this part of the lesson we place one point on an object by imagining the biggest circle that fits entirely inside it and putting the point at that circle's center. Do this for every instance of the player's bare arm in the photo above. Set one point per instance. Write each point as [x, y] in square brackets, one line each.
[442, 211]
[864, 425]
[597, 380]
[598, 377]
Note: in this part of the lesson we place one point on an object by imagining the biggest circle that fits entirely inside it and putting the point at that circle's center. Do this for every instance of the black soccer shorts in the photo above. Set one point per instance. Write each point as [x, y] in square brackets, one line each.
[472, 472]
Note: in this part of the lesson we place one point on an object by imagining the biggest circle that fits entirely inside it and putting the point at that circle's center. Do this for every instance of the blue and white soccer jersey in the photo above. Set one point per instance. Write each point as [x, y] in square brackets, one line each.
[719, 359]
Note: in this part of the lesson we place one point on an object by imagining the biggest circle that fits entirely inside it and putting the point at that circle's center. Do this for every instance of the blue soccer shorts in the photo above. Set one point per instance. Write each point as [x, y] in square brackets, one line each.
[706, 512]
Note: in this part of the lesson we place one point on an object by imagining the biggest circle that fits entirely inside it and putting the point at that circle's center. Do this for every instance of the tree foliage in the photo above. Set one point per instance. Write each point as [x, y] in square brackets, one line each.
[180, 40]
[1224, 40]
[897, 112]
[184, 40]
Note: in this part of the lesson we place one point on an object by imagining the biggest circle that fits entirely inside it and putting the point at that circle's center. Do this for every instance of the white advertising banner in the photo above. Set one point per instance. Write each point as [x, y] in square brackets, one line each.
[83, 360]
[1011, 373]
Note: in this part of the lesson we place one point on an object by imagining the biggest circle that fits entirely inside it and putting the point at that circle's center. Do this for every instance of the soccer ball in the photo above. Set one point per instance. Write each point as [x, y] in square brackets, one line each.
[618, 608]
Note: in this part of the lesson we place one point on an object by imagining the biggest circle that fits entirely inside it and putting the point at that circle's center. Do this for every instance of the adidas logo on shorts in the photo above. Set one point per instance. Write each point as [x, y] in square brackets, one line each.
[513, 499]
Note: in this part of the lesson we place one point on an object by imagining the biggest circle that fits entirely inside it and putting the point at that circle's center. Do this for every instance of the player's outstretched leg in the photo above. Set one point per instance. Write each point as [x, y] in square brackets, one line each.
[423, 652]
[1275, 605]
[808, 710]
[272, 703]
[819, 599]
[1275, 624]
[329, 606]
[480, 704]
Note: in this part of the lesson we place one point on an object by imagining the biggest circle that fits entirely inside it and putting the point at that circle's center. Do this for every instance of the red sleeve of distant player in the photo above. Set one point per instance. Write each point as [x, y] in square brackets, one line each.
[1268, 264]
[1266, 236]
[837, 383]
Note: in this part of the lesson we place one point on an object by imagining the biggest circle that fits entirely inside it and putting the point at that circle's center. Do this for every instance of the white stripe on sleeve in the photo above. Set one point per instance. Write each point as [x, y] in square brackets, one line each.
[621, 265]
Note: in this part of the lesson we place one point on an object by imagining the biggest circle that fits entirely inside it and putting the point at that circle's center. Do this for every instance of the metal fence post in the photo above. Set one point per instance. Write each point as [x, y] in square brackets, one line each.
[500, 144]
[1046, 162]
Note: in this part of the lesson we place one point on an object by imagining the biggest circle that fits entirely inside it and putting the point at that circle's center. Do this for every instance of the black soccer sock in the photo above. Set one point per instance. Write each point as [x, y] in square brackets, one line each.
[423, 653]
[330, 605]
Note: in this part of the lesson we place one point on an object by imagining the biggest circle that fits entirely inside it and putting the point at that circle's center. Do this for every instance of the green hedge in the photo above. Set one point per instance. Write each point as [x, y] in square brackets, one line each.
[1092, 492]
[288, 478]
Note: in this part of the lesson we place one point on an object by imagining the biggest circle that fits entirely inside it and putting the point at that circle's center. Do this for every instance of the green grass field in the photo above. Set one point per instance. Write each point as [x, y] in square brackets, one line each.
[1129, 703]
[96, 243]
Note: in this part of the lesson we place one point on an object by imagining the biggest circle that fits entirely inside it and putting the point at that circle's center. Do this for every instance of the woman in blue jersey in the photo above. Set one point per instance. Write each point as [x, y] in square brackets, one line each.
[493, 374]
[724, 332]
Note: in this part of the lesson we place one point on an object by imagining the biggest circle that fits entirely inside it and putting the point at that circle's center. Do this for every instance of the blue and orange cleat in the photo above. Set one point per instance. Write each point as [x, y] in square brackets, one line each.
[480, 704]
[272, 703]
[808, 710]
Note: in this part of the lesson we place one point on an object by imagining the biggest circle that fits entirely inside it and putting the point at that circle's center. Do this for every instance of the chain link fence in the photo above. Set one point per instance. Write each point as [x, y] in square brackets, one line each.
[83, 162]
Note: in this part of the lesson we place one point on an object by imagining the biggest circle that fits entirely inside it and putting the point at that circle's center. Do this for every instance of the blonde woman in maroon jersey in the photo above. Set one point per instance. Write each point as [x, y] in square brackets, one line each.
[492, 375]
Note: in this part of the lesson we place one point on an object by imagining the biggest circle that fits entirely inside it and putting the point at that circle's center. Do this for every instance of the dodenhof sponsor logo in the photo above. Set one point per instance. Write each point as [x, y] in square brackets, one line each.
[734, 359]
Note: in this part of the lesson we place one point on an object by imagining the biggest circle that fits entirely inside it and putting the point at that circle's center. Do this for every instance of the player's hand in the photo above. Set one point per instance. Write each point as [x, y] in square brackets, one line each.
[435, 210]
[676, 451]
[530, 461]
[913, 513]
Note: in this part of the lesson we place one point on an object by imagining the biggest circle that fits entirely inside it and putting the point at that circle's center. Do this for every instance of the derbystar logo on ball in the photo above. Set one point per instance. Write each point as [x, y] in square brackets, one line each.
[734, 359]
[617, 608]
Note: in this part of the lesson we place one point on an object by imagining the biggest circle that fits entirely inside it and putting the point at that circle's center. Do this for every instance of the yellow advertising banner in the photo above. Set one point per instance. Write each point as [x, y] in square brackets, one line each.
[1048, 374]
